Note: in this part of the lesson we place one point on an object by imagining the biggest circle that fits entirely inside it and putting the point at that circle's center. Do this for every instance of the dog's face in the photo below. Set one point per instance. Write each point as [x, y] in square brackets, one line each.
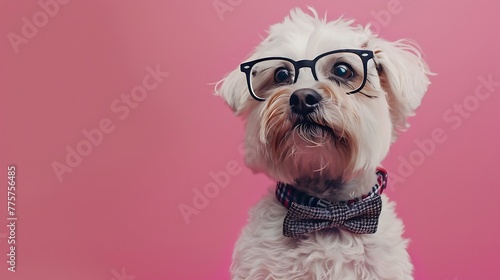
[323, 99]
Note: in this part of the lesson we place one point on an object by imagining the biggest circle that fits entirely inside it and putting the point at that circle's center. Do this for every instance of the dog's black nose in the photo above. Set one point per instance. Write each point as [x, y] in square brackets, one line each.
[304, 101]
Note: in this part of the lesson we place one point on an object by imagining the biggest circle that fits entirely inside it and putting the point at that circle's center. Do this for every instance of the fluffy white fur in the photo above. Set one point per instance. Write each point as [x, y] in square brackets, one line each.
[336, 166]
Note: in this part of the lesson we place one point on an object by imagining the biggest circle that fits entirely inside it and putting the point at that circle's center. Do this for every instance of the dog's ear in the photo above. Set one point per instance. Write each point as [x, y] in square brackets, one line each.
[403, 75]
[233, 89]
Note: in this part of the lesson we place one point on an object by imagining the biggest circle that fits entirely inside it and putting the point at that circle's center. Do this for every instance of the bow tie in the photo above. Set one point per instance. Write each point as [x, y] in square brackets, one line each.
[307, 213]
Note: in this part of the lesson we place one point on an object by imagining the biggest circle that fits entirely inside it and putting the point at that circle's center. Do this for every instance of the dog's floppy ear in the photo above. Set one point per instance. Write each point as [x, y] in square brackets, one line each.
[233, 89]
[403, 75]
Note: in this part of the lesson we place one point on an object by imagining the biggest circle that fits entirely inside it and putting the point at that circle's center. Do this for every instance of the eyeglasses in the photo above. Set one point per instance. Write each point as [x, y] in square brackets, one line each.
[346, 67]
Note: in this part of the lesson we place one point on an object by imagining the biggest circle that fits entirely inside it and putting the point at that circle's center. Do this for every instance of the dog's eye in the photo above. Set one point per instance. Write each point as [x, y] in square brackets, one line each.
[343, 71]
[281, 75]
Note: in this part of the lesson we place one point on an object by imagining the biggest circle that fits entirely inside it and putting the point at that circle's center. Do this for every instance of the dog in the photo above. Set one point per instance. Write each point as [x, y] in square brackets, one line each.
[323, 101]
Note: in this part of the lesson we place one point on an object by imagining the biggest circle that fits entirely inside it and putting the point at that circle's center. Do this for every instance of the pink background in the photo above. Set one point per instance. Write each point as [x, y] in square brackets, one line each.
[116, 215]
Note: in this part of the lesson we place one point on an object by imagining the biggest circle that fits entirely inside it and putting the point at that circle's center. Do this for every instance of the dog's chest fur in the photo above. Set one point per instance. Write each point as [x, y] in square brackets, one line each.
[262, 252]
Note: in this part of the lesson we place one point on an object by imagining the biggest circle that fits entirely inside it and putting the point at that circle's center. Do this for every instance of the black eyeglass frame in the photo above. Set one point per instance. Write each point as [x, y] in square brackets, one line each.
[365, 55]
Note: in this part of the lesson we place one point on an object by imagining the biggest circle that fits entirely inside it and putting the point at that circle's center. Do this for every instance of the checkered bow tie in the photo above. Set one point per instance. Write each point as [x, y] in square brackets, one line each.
[308, 213]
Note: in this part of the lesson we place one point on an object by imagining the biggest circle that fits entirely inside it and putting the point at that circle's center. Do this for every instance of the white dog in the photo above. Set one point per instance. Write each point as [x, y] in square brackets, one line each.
[323, 102]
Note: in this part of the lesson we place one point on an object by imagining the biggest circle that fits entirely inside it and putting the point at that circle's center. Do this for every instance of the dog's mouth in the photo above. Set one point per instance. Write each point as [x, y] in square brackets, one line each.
[313, 131]
[311, 128]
